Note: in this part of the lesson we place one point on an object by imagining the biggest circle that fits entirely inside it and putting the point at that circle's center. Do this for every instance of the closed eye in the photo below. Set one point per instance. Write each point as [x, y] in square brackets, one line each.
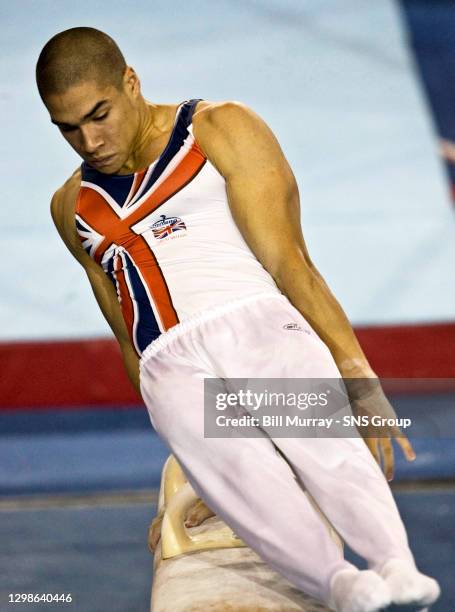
[101, 117]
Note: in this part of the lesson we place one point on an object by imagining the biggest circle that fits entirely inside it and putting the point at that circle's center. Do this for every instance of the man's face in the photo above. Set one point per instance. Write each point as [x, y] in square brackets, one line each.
[99, 122]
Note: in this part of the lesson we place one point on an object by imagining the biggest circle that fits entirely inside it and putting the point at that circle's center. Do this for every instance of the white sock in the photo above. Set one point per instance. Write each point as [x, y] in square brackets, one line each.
[407, 585]
[358, 591]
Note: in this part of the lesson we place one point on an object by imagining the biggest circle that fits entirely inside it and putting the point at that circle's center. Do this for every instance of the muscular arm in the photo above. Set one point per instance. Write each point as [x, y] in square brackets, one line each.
[62, 210]
[264, 201]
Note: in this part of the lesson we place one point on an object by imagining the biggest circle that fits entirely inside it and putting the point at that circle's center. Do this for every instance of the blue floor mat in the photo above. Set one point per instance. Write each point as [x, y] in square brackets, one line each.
[428, 517]
[87, 462]
[79, 451]
[98, 554]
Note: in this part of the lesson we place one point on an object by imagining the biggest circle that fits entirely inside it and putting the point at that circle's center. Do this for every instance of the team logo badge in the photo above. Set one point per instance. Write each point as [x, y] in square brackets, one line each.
[167, 226]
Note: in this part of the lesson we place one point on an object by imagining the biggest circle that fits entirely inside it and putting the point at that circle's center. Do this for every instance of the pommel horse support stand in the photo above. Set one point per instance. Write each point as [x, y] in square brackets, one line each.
[208, 568]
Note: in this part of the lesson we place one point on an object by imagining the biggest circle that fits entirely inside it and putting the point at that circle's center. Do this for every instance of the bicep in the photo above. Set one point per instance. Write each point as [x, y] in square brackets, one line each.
[262, 191]
[265, 207]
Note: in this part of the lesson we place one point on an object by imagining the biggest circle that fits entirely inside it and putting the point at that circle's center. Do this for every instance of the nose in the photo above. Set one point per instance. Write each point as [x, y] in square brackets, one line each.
[91, 139]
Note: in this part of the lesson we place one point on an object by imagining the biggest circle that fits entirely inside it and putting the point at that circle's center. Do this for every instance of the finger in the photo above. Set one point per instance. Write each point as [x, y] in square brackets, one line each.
[404, 443]
[198, 513]
[407, 449]
[193, 512]
[388, 457]
[153, 537]
[372, 444]
[154, 532]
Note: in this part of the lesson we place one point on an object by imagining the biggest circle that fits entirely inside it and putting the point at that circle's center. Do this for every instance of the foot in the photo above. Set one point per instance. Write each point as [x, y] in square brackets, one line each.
[409, 589]
[358, 591]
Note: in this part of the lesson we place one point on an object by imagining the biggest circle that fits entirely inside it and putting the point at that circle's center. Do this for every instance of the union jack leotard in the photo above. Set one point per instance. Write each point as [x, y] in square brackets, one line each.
[166, 238]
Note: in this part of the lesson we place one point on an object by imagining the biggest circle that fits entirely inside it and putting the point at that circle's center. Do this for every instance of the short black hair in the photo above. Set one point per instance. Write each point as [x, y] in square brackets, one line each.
[77, 55]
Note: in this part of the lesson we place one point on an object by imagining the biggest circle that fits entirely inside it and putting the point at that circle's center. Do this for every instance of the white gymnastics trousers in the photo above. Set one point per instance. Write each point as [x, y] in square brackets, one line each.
[244, 480]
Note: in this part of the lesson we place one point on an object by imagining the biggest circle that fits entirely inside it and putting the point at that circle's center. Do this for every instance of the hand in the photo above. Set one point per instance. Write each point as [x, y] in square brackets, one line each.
[196, 515]
[154, 533]
[368, 399]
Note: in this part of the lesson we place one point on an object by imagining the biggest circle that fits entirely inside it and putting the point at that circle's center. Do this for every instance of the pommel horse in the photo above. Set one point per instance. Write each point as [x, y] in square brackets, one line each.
[208, 568]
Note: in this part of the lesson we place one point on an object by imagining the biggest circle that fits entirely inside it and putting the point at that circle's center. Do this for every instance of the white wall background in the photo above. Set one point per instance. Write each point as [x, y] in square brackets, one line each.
[333, 79]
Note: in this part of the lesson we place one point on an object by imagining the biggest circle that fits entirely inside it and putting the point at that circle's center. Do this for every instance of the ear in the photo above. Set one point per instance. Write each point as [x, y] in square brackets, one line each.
[131, 82]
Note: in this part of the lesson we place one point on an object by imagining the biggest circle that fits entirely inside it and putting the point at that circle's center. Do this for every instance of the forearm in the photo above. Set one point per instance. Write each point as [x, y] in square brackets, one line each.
[309, 293]
[131, 363]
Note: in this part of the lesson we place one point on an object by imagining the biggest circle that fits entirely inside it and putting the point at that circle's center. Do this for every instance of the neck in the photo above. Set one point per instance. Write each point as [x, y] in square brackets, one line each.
[150, 127]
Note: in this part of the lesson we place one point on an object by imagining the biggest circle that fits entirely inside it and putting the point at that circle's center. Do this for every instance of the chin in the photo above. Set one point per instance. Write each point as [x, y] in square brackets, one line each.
[112, 168]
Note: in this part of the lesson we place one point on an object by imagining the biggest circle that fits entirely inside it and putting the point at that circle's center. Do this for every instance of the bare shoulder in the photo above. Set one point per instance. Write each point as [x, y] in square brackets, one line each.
[233, 137]
[227, 130]
[224, 115]
[63, 201]
[63, 205]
